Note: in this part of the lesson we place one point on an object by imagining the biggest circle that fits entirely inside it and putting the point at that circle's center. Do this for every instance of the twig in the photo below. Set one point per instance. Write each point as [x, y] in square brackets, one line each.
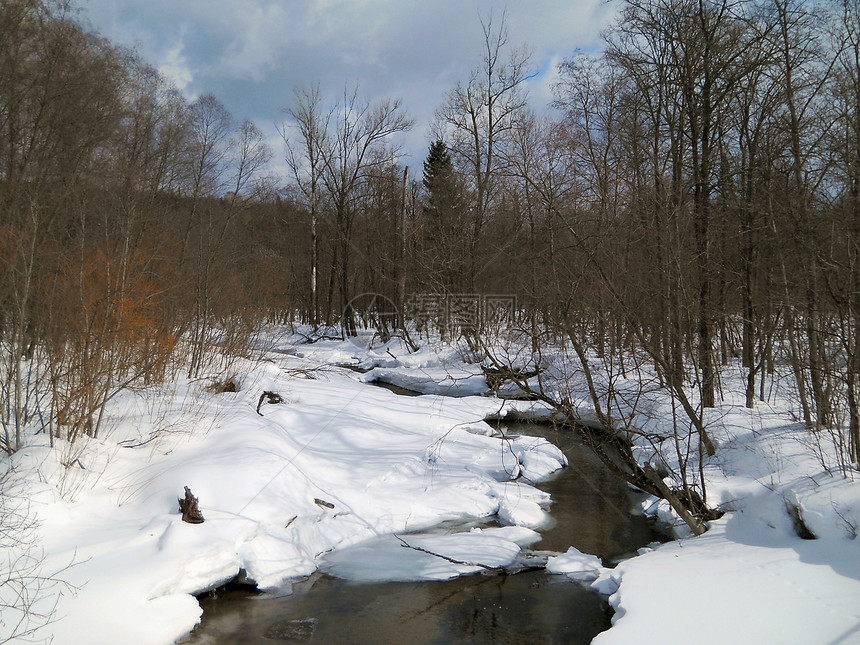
[446, 558]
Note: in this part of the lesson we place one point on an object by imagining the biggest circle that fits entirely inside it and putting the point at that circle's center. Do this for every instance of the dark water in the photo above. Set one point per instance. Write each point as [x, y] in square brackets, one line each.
[530, 607]
[591, 510]
[402, 391]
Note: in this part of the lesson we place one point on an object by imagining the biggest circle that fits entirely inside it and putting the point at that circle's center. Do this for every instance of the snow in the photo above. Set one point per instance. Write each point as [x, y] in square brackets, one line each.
[323, 480]
[440, 379]
[750, 578]
[520, 510]
[730, 585]
[350, 479]
[576, 565]
[405, 558]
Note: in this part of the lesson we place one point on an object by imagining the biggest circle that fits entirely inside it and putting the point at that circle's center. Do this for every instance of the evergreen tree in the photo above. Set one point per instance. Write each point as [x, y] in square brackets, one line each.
[443, 256]
[438, 168]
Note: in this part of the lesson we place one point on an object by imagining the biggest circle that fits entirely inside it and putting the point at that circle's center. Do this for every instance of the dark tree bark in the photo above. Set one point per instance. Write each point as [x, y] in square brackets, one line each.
[188, 506]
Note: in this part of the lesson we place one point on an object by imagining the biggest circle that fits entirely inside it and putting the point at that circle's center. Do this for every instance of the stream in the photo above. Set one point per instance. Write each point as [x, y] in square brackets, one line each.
[591, 510]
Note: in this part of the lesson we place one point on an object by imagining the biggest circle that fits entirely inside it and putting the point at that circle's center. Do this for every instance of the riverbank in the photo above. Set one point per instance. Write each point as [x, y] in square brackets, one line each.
[752, 578]
[591, 509]
[337, 462]
[340, 461]
[781, 566]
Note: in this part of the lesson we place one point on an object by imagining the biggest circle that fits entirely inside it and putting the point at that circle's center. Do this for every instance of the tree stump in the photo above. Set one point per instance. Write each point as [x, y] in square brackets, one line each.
[188, 507]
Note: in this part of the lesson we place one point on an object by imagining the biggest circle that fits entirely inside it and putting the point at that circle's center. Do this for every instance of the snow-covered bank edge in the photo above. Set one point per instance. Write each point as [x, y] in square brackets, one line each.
[751, 577]
[339, 466]
[330, 476]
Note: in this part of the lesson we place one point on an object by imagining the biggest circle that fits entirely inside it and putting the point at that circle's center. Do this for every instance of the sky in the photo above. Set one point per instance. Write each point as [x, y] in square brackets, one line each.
[251, 54]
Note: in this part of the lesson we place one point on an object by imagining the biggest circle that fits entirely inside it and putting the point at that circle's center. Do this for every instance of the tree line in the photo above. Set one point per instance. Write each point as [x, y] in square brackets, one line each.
[119, 202]
[693, 198]
[702, 188]
[715, 147]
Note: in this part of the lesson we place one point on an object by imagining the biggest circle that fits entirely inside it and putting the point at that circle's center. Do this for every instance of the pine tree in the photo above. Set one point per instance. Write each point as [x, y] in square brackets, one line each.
[442, 213]
[438, 169]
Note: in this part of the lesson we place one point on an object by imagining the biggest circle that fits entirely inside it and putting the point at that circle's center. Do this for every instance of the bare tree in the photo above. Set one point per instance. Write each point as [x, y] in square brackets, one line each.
[224, 162]
[844, 143]
[60, 108]
[476, 119]
[305, 160]
[542, 163]
[359, 132]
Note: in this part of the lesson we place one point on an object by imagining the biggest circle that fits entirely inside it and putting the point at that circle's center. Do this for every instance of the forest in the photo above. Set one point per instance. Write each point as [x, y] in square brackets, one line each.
[690, 199]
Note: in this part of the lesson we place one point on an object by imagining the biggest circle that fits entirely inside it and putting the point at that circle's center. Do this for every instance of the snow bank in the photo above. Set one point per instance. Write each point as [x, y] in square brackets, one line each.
[328, 478]
[576, 565]
[420, 557]
[738, 588]
[442, 380]
[324, 479]
[750, 578]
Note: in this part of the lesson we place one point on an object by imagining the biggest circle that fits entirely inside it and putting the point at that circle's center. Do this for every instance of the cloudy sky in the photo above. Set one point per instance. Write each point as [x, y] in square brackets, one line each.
[252, 53]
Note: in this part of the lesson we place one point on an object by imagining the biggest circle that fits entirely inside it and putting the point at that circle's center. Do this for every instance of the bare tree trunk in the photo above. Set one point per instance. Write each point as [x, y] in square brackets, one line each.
[402, 255]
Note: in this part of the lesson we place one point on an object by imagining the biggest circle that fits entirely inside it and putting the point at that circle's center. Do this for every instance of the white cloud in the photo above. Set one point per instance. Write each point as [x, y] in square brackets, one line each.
[251, 53]
[540, 88]
[175, 67]
[258, 37]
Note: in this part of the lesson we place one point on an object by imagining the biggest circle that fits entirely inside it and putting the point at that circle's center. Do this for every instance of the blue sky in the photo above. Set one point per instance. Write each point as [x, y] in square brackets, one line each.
[252, 53]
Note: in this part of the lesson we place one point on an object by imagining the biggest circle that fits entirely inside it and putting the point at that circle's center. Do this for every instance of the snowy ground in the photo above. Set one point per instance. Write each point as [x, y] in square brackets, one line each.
[750, 578]
[333, 477]
[339, 467]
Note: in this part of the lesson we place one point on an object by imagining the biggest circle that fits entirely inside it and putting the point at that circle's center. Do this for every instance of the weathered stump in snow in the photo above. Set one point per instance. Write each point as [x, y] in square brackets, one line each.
[800, 527]
[189, 509]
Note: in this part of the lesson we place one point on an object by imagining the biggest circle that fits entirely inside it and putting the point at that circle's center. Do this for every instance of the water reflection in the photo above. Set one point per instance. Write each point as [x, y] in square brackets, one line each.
[531, 607]
[592, 508]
